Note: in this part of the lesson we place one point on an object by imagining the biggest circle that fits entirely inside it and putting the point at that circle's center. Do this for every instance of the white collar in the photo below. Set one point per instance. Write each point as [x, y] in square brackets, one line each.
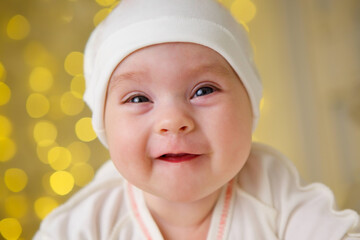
[220, 221]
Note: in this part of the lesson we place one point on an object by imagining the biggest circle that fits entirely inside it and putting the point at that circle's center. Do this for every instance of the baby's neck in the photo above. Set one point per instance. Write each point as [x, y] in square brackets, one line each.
[177, 220]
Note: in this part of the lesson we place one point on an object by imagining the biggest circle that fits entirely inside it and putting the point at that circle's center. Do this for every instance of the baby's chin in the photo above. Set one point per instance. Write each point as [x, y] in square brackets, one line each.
[181, 195]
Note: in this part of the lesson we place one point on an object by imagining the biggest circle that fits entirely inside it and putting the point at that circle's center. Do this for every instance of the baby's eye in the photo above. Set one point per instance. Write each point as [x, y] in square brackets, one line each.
[204, 91]
[138, 99]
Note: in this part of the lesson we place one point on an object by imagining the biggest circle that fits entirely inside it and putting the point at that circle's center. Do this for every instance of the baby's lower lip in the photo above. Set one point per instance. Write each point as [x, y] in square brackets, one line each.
[176, 158]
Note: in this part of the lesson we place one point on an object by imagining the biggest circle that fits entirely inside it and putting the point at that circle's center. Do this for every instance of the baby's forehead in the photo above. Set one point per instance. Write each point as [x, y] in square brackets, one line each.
[194, 58]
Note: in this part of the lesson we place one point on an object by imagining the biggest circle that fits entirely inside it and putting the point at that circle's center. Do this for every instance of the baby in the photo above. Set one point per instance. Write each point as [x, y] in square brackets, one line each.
[175, 95]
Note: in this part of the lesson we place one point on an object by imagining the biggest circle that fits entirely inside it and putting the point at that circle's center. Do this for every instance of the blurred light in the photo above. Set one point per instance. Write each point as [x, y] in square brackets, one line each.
[18, 27]
[70, 104]
[105, 3]
[80, 152]
[41, 79]
[114, 4]
[43, 151]
[2, 71]
[15, 179]
[10, 228]
[83, 173]
[84, 130]
[44, 205]
[61, 182]
[16, 206]
[7, 149]
[55, 111]
[59, 158]
[5, 127]
[45, 180]
[74, 63]
[5, 93]
[246, 27]
[78, 86]
[37, 105]
[101, 15]
[261, 104]
[67, 18]
[35, 55]
[45, 133]
[243, 10]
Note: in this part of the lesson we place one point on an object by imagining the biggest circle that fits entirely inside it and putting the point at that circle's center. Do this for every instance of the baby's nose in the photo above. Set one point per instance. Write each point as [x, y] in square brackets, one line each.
[174, 122]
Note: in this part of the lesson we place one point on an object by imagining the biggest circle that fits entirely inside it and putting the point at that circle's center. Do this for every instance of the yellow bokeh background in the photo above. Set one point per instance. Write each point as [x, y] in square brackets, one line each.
[48, 149]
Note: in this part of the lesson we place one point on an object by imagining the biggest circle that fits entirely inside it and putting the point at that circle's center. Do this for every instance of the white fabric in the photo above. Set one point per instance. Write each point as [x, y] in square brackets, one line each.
[264, 201]
[135, 24]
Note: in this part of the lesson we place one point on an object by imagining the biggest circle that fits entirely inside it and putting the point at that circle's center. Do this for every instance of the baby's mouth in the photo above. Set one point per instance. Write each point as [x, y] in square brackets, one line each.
[178, 157]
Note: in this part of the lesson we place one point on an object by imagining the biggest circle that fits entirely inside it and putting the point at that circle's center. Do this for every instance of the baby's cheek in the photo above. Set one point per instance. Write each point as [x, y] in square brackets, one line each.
[127, 147]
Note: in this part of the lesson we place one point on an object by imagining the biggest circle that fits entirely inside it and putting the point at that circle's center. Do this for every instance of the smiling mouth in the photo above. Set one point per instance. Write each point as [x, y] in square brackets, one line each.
[176, 158]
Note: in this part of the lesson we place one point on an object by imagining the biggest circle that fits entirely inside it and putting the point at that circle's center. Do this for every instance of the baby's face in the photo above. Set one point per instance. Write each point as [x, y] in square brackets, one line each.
[178, 121]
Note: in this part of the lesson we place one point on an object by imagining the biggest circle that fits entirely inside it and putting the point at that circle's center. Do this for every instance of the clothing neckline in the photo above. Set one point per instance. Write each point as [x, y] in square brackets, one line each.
[220, 219]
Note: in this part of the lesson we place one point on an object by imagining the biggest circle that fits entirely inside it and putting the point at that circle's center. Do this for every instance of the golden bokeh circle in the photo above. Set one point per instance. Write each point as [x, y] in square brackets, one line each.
[115, 4]
[45, 133]
[10, 228]
[37, 105]
[18, 27]
[15, 179]
[43, 151]
[84, 130]
[16, 206]
[83, 173]
[74, 63]
[7, 149]
[101, 15]
[243, 10]
[41, 79]
[70, 104]
[105, 3]
[55, 111]
[5, 93]
[262, 104]
[2, 72]
[80, 152]
[35, 55]
[5, 127]
[44, 205]
[59, 158]
[62, 182]
[78, 86]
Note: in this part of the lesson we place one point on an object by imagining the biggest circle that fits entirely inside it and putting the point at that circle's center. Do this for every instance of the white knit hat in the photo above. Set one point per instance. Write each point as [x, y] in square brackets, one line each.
[135, 24]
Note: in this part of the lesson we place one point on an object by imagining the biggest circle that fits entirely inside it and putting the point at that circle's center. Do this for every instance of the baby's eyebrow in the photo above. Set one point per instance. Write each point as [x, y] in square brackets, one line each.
[212, 68]
[126, 76]
[193, 71]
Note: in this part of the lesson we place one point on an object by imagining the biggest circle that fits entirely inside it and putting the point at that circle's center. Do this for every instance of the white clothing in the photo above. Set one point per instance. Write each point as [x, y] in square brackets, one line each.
[264, 201]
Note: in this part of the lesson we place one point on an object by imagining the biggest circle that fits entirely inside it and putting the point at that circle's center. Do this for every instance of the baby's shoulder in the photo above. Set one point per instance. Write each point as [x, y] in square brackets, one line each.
[97, 207]
[271, 179]
[267, 171]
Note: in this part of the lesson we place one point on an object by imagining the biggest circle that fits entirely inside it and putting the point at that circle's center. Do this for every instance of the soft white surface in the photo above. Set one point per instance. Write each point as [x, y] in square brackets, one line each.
[268, 202]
